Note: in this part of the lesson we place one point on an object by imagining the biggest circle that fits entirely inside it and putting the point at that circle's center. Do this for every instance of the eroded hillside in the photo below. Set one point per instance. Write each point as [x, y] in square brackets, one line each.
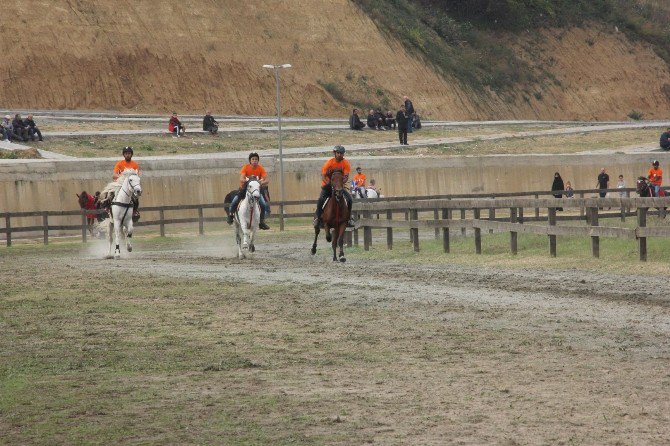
[160, 55]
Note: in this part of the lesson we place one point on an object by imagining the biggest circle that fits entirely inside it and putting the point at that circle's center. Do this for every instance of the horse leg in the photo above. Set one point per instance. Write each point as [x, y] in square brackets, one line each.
[340, 242]
[334, 244]
[129, 235]
[117, 237]
[329, 234]
[316, 236]
[110, 236]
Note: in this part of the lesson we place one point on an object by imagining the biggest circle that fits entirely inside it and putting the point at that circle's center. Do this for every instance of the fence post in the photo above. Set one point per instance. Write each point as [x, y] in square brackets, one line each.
[8, 227]
[355, 231]
[407, 218]
[84, 227]
[201, 221]
[161, 215]
[389, 231]
[45, 225]
[552, 237]
[595, 240]
[642, 241]
[513, 234]
[478, 233]
[463, 218]
[446, 214]
[537, 210]
[367, 232]
[581, 208]
[436, 216]
[414, 214]
[492, 215]
[281, 216]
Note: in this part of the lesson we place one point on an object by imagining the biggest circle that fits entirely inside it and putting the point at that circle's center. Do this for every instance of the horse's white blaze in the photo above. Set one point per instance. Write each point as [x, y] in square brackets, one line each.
[121, 221]
[247, 218]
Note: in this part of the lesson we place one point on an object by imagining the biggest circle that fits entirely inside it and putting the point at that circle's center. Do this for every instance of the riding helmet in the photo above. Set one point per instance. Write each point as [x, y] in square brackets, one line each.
[339, 149]
[253, 154]
[127, 149]
[655, 163]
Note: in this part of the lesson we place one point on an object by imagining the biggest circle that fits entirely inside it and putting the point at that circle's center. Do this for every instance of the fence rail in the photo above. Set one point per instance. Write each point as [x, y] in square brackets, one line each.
[443, 207]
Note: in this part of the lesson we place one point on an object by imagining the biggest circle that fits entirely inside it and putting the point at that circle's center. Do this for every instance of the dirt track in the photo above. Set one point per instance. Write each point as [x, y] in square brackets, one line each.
[485, 355]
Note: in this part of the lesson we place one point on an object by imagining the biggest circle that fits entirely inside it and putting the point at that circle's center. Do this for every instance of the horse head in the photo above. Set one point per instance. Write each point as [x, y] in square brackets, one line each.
[337, 183]
[253, 189]
[82, 199]
[642, 187]
[134, 184]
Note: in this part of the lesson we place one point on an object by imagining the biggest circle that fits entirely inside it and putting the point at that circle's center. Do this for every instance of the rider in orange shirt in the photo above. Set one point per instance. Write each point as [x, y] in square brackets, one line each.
[247, 171]
[655, 176]
[128, 163]
[336, 163]
[359, 181]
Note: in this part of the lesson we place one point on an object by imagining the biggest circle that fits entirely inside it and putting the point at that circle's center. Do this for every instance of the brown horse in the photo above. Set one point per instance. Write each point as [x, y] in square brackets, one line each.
[335, 216]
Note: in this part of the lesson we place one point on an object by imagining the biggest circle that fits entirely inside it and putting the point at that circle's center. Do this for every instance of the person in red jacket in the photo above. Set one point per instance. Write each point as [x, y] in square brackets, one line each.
[175, 126]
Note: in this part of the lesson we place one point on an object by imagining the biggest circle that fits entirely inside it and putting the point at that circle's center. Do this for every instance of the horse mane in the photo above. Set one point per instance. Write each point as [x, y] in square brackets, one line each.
[114, 185]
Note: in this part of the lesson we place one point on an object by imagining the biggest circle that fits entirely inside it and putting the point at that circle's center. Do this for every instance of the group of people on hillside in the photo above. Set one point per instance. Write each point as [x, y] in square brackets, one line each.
[18, 129]
[405, 120]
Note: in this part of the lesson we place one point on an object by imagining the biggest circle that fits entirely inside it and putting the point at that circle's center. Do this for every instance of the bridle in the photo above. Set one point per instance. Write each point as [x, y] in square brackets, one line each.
[253, 196]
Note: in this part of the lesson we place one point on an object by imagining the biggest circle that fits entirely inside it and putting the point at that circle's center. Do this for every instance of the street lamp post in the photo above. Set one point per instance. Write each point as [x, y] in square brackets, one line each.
[276, 69]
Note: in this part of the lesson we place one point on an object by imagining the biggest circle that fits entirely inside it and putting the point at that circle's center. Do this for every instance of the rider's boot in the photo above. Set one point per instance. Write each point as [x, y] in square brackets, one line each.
[230, 218]
[317, 221]
[262, 224]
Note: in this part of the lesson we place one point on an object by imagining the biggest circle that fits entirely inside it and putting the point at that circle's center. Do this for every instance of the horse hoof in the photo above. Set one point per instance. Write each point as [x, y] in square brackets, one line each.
[252, 248]
[313, 251]
[342, 259]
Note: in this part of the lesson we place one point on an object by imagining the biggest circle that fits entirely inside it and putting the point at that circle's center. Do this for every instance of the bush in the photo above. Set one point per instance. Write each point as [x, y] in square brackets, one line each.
[635, 115]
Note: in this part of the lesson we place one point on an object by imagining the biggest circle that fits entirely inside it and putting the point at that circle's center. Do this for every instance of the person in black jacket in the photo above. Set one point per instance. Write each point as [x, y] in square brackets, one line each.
[558, 185]
[209, 124]
[355, 121]
[402, 119]
[409, 109]
[32, 128]
[20, 128]
[665, 140]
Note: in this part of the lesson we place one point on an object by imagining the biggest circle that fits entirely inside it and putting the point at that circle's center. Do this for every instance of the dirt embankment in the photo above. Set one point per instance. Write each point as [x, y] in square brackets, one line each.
[157, 55]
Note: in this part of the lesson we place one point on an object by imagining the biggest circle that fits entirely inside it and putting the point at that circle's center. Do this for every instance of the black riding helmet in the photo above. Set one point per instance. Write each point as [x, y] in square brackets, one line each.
[127, 149]
[339, 149]
[655, 163]
[254, 154]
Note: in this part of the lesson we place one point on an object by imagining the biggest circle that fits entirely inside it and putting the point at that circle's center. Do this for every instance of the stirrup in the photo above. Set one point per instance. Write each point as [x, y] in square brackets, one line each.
[230, 219]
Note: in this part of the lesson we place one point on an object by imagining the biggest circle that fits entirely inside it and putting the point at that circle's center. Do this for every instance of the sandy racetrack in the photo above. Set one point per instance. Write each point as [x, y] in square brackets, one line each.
[438, 354]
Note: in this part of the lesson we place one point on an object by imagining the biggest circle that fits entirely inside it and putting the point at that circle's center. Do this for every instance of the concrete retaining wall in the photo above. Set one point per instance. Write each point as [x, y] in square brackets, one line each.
[31, 185]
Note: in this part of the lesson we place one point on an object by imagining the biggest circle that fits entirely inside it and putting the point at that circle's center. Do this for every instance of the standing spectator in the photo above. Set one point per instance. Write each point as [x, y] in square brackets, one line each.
[32, 128]
[402, 119]
[603, 182]
[355, 121]
[569, 191]
[175, 126]
[665, 139]
[621, 184]
[209, 124]
[558, 185]
[20, 128]
[655, 176]
[409, 109]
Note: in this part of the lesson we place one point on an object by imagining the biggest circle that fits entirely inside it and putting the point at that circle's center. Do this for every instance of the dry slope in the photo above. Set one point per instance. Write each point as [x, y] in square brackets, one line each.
[159, 55]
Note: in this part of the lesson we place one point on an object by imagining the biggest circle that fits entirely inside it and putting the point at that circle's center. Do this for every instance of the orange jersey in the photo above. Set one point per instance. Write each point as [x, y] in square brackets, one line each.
[331, 165]
[656, 176]
[123, 165]
[359, 178]
[248, 171]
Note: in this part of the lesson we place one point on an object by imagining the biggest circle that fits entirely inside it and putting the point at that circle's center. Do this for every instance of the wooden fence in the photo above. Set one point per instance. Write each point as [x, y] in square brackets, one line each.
[442, 207]
[514, 221]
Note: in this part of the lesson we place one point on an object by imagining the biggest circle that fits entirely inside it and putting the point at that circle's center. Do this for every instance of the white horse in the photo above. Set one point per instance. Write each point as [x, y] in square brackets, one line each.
[125, 188]
[373, 193]
[247, 218]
